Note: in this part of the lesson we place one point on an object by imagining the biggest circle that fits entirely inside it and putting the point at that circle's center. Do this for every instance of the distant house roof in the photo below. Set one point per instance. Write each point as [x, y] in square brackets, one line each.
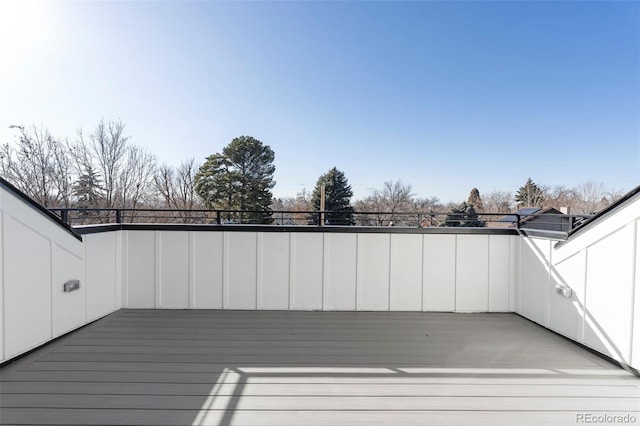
[534, 217]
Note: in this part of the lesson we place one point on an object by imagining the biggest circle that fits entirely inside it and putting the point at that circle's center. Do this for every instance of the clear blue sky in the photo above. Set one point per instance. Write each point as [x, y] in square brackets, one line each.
[445, 96]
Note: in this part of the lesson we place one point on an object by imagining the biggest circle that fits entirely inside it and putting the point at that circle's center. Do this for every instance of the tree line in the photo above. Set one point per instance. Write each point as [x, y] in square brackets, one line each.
[104, 169]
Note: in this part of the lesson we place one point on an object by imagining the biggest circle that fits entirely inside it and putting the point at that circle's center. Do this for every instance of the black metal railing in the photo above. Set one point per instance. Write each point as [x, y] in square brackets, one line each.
[547, 221]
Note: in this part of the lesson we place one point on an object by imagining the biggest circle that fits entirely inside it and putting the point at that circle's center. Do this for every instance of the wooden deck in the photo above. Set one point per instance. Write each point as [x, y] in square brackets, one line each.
[154, 367]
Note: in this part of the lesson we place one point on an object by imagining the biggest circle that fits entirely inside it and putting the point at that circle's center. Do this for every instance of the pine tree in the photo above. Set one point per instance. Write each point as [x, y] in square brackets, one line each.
[240, 178]
[530, 195]
[475, 200]
[338, 195]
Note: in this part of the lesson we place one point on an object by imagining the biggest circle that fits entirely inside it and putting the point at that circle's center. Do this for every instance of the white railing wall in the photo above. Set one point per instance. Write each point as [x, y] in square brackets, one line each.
[600, 266]
[37, 257]
[295, 269]
[318, 271]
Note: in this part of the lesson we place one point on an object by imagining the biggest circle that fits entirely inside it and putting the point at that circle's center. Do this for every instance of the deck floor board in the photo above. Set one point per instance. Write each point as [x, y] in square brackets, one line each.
[154, 367]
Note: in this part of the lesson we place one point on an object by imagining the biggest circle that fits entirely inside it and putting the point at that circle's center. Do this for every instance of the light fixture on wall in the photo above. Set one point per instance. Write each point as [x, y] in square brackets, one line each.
[71, 285]
[564, 290]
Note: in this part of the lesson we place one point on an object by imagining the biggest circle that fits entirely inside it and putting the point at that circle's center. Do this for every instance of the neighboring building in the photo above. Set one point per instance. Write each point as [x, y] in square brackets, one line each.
[544, 218]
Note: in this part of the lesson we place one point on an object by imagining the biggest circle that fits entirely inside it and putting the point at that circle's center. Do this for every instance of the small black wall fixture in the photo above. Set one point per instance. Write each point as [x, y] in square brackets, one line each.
[71, 285]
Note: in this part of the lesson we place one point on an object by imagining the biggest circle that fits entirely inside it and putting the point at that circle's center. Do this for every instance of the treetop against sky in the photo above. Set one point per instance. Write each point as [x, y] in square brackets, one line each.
[444, 95]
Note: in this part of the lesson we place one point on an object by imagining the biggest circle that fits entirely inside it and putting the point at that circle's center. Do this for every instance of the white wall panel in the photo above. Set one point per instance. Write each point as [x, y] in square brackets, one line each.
[373, 272]
[39, 222]
[566, 314]
[174, 270]
[534, 278]
[27, 287]
[439, 275]
[240, 274]
[406, 272]
[610, 294]
[273, 271]
[340, 260]
[69, 309]
[635, 337]
[207, 261]
[100, 266]
[500, 267]
[2, 260]
[140, 269]
[306, 271]
[472, 273]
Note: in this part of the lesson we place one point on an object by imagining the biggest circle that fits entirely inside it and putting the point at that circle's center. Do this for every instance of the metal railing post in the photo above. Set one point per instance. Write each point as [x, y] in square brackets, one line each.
[118, 216]
[218, 217]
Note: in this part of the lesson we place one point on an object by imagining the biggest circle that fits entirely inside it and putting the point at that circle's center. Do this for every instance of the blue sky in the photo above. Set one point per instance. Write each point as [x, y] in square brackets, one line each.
[445, 96]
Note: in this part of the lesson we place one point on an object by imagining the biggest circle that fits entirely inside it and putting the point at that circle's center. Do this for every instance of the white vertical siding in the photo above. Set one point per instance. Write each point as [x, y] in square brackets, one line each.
[69, 310]
[439, 275]
[306, 271]
[609, 309]
[472, 273]
[207, 255]
[27, 288]
[406, 272]
[635, 335]
[101, 274]
[240, 273]
[566, 313]
[174, 271]
[534, 278]
[373, 272]
[273, 271]
[140, 269]
[500, 268]
[340, 260]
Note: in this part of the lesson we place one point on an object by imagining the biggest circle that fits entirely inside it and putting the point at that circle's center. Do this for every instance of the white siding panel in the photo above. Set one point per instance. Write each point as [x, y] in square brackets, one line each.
[439, 275]
[635, 349]
[406, 272]
[534, 278]
[2, 260]
[174, 270]
[373, 272]
[472, 273]
[69, 309]
[306, 271]
[207, 270]
[340, 271]
[100, 258]
[499, 272]
[27, 288]
[241, 270]
[141, 269]
[610, 294]
[566, 314]
[273, 275]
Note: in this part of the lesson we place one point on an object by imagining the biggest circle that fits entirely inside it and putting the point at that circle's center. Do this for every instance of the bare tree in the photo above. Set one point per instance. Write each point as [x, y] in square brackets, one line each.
[498, 202]
[296, 208]
[177, 187]
[108, 145]
[386, 203]
[135, 181]
[39, 166]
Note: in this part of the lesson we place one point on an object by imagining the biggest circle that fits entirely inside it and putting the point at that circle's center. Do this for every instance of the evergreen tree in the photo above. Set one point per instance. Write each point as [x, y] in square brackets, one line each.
[464, 216]
[240, 178]
[475, 200]
[337, 198]
[530, 195]
[88, 189]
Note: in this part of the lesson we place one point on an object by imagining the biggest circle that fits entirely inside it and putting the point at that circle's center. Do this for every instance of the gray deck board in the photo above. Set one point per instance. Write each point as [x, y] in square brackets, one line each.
[147, 367]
